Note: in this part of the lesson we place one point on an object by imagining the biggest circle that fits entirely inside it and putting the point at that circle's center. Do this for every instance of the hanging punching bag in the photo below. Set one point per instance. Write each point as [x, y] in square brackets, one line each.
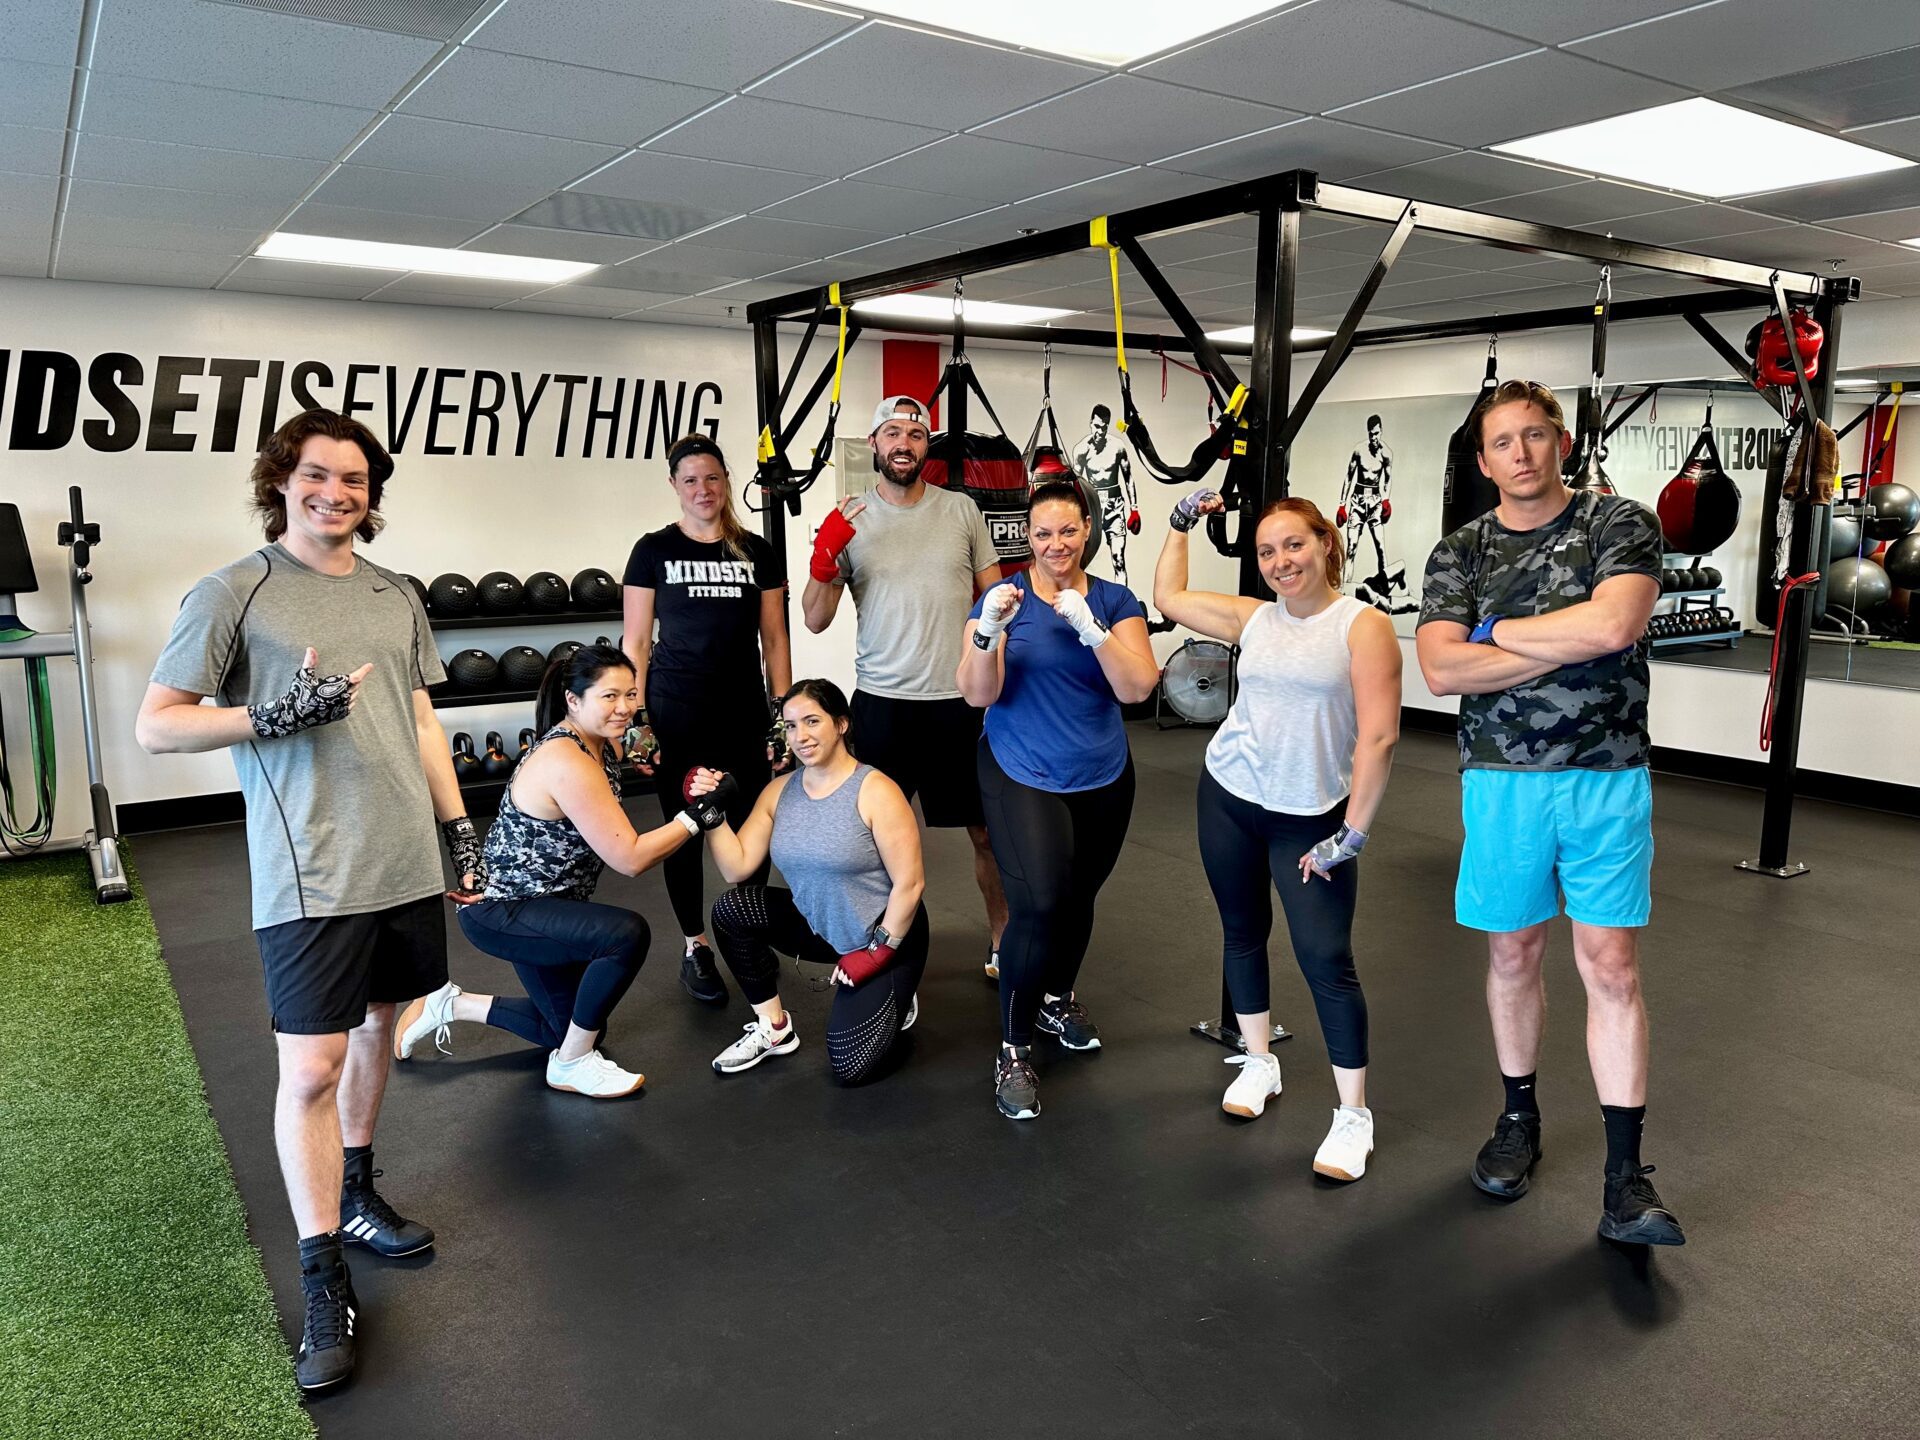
[1468, 494]
[1700, 507]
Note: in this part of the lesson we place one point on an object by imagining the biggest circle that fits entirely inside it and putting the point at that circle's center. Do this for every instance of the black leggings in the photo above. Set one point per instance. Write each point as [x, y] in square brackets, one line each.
[751, 922]
[575, 957]
[692, 736]
[1244, 847]
[1054, 853]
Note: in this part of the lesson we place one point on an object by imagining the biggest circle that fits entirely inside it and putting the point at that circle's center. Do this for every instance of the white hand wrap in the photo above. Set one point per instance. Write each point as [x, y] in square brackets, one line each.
[997, 612]
[1071, 606]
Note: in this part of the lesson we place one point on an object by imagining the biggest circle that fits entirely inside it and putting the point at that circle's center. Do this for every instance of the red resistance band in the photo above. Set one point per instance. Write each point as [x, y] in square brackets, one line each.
[1773, 662]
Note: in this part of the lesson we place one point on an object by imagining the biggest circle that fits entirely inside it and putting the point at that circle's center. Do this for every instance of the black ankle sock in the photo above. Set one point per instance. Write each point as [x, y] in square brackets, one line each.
[358, 1165]
[321, 1253]
[1520, 1096]
[1623, 1124]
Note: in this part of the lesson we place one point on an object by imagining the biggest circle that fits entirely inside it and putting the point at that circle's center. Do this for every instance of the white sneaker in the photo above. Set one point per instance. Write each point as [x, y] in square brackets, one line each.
[592, 1074]
[757, 1041]
[430, 1014]
[1343, 1154]
[913, 1013]
[1257, 1082]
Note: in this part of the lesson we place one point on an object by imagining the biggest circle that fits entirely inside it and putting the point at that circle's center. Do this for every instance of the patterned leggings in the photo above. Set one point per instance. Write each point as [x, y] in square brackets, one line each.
[751, 922]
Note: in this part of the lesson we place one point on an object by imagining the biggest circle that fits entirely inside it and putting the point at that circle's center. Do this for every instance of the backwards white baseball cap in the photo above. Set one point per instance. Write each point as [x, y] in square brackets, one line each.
[899, 407]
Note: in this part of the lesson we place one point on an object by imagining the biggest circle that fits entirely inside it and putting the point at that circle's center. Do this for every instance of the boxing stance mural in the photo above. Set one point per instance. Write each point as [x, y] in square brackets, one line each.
[1366, 508]
[1101, 459]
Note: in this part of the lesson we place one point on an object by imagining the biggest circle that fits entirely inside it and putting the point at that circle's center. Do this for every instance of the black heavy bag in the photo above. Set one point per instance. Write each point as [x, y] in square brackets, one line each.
[988, 469]
[1700, 507]
[1468, 494]
[1800, 474]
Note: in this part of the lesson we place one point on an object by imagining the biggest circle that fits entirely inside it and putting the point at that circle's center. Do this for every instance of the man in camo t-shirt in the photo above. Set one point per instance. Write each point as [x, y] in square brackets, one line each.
[1534, 615]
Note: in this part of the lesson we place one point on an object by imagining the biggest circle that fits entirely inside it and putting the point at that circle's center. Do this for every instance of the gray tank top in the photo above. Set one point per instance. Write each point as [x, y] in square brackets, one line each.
[827, 854]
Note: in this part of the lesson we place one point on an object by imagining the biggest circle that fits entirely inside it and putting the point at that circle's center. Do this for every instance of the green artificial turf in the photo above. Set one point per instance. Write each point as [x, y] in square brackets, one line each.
[131, 1301]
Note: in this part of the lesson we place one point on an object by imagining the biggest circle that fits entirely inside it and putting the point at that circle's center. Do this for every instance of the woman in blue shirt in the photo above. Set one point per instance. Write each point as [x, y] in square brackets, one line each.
[1051, 655]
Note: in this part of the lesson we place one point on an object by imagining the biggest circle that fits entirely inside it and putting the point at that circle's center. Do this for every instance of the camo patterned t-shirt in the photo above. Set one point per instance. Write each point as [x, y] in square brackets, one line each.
[1579, 717]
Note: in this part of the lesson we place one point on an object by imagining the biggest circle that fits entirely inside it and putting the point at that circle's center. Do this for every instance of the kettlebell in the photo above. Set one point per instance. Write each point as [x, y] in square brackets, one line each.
[526, 744]
[466, 764]
[496, 764]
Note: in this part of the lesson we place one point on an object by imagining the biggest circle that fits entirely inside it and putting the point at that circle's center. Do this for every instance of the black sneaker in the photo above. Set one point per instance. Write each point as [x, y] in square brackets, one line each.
[1632, 1213]
[367, 1219]
[1067, 1021]
[326, 1334]
[700, 979]
[1502, 1166]
[1016, 1089]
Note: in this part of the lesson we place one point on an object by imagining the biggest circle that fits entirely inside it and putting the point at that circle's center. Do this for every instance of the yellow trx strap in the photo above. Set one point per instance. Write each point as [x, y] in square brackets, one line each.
[840, 355]
[766, 447]
[1097, 235]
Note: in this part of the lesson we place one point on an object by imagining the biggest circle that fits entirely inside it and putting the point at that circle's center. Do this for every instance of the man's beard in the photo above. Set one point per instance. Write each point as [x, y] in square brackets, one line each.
[885, 467]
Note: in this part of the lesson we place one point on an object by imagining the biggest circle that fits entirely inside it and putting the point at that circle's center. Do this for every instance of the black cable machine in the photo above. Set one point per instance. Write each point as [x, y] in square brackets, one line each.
[1270, 415]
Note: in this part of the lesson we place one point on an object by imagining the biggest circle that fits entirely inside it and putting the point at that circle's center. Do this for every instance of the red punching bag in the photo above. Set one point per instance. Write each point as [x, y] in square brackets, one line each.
[1700, 507]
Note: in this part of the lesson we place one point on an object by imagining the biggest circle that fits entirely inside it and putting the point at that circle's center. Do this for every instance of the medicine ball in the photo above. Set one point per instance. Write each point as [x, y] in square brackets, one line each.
[546, 592]
[1857, 585]
[500, 593]
[474, 670]
[1709, 578]
[451, 596]
[563, 651]
[1902, 562]
[1892, 511]
[418, 589]
[595, 590]
[521, 668]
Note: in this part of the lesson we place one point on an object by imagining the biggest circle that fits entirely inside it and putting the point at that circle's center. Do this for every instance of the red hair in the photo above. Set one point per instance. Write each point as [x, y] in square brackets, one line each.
[1318, 524]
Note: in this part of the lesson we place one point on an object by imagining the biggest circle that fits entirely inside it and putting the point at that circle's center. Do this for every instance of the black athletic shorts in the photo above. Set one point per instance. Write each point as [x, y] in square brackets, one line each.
[926, 747]
[322, 974]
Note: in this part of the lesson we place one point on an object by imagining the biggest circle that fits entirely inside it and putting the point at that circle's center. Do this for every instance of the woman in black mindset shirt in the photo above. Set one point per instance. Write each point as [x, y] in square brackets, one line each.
[717, 594]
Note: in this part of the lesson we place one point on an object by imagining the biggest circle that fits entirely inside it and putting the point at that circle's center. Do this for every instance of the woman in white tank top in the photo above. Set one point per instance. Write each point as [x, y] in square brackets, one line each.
[1291, 784]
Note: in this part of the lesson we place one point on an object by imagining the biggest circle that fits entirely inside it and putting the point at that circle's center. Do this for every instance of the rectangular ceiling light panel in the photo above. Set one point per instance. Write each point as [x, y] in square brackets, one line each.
[1104, 33]
[1702, 147]
[423, 259]
[937, 307]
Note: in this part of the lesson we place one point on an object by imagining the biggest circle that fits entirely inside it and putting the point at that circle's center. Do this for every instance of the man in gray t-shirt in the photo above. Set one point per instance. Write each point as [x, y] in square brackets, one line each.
[318, 664]
[915, 556]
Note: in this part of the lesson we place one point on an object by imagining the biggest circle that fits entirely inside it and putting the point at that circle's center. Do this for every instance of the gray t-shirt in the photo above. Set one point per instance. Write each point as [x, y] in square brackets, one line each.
[911, 570]
[339, 821]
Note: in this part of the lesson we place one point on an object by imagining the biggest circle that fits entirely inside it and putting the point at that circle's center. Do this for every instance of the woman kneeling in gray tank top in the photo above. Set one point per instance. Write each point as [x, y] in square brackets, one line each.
[846, 842]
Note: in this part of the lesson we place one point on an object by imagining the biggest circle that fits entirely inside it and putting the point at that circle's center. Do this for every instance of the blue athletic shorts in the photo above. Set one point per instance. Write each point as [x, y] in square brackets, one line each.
[1536, 835]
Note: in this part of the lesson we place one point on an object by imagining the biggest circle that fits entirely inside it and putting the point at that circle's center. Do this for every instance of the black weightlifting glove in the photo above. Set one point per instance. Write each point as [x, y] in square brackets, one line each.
[313, 700]
[463, 848]
[710, 810]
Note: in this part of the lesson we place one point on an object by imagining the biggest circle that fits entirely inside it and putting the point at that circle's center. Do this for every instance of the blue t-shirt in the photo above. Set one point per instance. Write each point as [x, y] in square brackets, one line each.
[1056, 725]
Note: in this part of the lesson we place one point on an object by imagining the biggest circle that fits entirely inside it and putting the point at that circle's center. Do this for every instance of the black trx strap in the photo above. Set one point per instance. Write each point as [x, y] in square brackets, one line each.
[776, 474]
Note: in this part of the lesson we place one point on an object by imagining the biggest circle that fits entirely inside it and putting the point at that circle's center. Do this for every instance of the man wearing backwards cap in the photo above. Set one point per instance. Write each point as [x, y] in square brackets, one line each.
[914, 561]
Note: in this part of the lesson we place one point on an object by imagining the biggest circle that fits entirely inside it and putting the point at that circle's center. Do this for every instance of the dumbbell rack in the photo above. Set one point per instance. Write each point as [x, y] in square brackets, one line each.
[1690, 601]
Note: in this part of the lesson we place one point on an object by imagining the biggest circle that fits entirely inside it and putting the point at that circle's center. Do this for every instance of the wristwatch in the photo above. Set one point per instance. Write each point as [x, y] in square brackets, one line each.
[880, 937]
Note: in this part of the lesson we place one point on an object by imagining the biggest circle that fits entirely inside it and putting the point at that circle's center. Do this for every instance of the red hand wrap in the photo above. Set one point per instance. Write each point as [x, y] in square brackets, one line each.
[862, 965]
[835, 531]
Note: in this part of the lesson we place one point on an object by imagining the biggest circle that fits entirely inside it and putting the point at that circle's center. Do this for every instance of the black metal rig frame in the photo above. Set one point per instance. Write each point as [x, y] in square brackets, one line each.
[1274, 416]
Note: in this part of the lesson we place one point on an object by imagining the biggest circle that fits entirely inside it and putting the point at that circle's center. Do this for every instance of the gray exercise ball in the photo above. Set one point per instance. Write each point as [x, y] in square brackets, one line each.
[1892, 510]
[1857, 585]
[1845, 537]
[1902, 562]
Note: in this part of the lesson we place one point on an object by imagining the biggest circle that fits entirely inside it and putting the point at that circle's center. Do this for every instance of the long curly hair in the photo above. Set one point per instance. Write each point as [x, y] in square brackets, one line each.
[275, 463]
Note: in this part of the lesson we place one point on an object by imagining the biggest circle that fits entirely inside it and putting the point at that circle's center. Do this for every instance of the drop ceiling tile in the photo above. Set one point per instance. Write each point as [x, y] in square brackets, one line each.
[129, 266]
[751, 131]
[643, 274]
[257, 285]
[1554, 21]
[366, 188]
[1900, 137]
[1466, 179]
[790, 238]
[24, 255]
[145, 109]
[889, 72]
[612, 215]
[613, 297]
[1135, 120]
[694, 258]
[496, 292]
[1587, 204]
[542, 305]
[187, 207]
[1142, 185]
[721, 44]
[363, 278]
[1902, 224]
[268, 178]
[1840, 97]
[35, 95]
[872, 207]
[201, 44]
[550, 244]
[1336, 151]
[483, 154]
[1736, 42]
[183, 236]
[1318, 56]
[711, 186]
[1692, 227]
[1805, 247]
[1529, 94]
[516, 92]
[46, 32]
[993, 223]
[990, 170]
[870, 260]
[1893, 190]
[391, 227]
[442, 302]
[26, 150]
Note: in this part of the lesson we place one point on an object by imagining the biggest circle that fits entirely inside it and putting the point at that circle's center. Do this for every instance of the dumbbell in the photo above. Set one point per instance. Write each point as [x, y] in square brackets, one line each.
[466, 764]
[496, 764]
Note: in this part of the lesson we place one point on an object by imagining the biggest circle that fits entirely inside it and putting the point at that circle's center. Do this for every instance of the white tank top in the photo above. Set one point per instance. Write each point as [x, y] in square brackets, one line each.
[1287, 743]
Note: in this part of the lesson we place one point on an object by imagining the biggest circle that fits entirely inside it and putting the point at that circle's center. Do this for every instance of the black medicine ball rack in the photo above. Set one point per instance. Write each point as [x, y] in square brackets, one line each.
[449, 695]
[1695, 619]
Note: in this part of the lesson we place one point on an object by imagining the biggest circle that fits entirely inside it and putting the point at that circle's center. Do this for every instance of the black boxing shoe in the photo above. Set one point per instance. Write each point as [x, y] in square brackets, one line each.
[367, 1219]
[700, 978]
[326, 1354]
[1504, 1162]
[1632, 1213]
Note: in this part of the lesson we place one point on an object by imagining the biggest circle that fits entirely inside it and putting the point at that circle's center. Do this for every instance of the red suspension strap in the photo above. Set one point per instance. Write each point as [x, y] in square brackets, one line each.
[1773, 662]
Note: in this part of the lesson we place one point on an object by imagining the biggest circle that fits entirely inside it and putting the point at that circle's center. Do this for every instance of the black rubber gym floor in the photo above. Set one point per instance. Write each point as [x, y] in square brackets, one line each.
[766, 1253]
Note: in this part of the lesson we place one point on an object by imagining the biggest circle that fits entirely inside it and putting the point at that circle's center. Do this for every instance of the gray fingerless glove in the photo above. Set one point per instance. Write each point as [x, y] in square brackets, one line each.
[1186, 514]
[463, 848]
[1337, 848]
[313, 700]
